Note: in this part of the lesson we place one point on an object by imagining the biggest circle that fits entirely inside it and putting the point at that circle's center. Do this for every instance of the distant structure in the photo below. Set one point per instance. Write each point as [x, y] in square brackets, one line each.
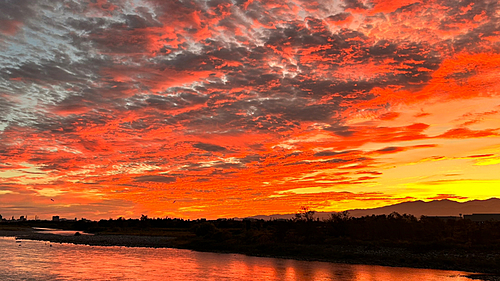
[483, 217]
[55, 218]
[23, 218]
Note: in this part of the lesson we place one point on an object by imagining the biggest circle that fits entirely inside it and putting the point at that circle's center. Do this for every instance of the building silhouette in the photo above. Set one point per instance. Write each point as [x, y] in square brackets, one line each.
[483, 217]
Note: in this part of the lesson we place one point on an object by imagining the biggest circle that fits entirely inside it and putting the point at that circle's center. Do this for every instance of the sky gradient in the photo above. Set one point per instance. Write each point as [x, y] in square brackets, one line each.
[236, 108]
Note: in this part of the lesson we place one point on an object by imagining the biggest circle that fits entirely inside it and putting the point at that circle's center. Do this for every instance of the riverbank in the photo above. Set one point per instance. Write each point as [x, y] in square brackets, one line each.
[351, 254]
[95, 240]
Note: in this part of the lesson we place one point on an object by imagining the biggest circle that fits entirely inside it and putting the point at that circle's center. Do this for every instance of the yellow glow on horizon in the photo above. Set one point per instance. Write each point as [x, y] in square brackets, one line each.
[487, 162]
[472, 189]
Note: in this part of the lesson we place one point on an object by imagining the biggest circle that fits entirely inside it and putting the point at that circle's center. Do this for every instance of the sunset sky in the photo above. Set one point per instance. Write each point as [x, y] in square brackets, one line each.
[233, 108]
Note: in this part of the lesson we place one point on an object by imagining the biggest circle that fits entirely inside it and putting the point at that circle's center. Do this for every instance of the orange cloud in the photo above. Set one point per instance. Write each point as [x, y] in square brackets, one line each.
[244, 108]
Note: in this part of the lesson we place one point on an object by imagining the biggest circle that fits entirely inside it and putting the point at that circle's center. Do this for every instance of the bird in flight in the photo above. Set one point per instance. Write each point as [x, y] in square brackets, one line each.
[51, 199]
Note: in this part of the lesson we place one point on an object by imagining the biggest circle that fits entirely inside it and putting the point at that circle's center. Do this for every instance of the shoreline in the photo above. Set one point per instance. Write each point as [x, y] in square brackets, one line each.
[96, 240]
[348, 254]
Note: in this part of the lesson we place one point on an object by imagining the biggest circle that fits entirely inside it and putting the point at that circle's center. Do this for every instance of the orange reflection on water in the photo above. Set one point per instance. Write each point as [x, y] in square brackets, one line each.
[36, 260]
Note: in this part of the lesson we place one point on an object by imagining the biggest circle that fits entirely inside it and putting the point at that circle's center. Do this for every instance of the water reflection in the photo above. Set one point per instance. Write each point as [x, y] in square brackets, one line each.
[44, 230]
[36, 260]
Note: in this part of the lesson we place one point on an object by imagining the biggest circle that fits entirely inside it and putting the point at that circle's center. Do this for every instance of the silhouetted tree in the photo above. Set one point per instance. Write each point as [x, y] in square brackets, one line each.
[305, 213]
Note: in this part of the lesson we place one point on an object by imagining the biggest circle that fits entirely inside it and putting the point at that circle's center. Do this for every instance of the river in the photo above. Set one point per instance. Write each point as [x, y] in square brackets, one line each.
[40, 261]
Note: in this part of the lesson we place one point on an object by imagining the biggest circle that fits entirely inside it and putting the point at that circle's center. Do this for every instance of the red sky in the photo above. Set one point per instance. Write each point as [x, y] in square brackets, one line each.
[221, 108]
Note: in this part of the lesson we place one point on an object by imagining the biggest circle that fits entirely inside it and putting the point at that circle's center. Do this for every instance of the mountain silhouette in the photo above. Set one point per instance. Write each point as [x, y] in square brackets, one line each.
[417, 208]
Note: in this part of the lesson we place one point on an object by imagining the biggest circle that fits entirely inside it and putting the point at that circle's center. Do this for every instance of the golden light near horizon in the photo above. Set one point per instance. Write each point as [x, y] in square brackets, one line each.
[238, 108]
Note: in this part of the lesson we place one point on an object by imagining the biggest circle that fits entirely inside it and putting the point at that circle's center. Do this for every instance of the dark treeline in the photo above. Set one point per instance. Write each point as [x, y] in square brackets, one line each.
[304, 229]
[340, 228]
[397, 240]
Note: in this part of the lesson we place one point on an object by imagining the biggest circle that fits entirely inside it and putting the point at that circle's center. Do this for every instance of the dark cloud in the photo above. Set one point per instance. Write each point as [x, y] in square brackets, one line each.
[252, 158]
[49, 72]
[331, 153]
[390, 149]
[343, 131]
[466, 12]
[152, 178]
[339, 17]
[209, 147]
[13, 13]
[354, 5]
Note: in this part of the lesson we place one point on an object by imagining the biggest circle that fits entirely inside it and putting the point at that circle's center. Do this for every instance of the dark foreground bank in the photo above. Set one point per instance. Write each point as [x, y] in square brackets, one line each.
[394, 240]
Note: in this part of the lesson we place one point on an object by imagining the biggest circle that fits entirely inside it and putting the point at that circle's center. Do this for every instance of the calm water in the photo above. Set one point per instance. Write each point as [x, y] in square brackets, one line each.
[37, 260]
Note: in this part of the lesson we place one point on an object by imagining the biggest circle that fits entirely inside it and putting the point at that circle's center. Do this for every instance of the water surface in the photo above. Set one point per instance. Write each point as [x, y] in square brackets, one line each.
[56, 231]
[38, 260]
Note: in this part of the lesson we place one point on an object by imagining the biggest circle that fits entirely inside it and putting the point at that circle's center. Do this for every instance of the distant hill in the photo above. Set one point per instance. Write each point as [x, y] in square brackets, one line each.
[417, 208]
